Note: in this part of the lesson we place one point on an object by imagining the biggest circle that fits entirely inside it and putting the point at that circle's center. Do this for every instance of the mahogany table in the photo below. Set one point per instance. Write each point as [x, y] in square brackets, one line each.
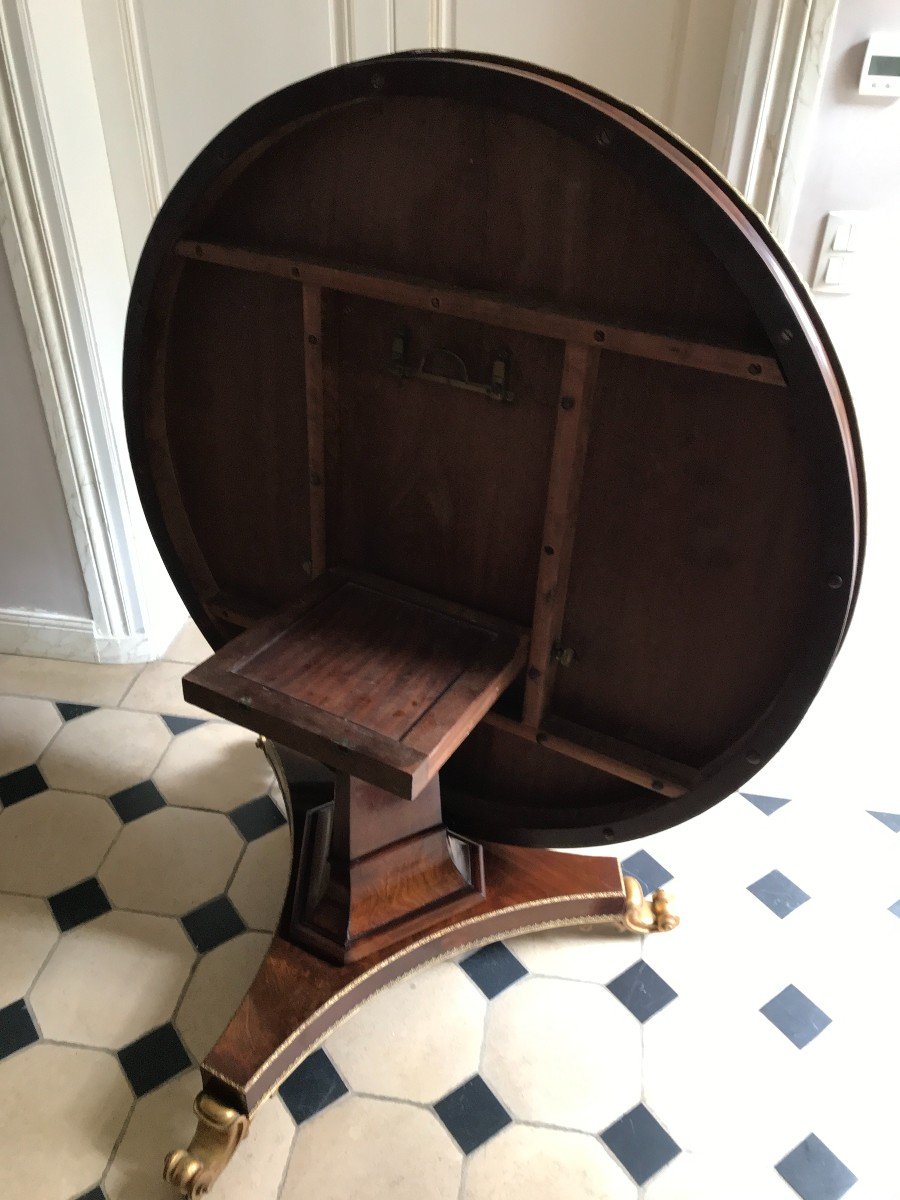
[503, 459]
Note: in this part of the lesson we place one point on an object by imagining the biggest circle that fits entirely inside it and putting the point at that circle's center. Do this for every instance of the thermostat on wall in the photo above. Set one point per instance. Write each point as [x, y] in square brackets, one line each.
[881, 66]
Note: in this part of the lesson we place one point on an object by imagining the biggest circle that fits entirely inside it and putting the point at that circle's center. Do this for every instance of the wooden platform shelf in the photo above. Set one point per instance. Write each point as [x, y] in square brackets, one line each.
[369, 677]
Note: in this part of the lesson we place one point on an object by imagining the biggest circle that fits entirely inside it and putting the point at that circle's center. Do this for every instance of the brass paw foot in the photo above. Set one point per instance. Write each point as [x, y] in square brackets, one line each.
[219, 1130]
[646, 916]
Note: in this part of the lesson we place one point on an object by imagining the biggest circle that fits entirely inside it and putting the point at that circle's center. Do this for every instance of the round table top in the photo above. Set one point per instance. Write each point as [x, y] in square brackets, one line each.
[480, 330]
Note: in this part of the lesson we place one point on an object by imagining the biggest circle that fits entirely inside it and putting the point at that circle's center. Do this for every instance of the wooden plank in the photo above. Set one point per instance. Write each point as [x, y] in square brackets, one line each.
[315, 423]
[573, 422]
[332, 740]
[628, 763]
[449, 722]
[491, 310]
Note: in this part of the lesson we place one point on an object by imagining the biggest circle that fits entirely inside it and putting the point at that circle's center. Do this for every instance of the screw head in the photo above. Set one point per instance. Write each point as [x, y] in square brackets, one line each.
[435, 303]
[753, 758]
[755, 369]
[603, 137]
[835, 581]
[787, 335]
[599, 335]
[549, 550]
[657, 785]
[377, 82]
[567, 403]
[540, 738]
[607, 835]
[313, 340]
[533, 673]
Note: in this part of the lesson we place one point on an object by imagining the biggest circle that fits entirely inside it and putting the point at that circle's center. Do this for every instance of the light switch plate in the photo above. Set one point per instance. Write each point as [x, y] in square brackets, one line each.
[841, 252]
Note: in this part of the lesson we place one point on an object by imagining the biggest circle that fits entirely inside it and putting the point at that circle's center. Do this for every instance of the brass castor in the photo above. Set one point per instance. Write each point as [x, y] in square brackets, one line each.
[219, 1131]
[647, 916]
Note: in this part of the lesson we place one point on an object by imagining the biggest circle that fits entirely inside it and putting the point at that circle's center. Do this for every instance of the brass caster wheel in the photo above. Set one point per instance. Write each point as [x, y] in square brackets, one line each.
[647, 916]
[219, 1131]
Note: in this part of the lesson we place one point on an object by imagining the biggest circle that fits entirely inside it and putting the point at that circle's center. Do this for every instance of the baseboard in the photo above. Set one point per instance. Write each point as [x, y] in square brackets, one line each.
[58, 635]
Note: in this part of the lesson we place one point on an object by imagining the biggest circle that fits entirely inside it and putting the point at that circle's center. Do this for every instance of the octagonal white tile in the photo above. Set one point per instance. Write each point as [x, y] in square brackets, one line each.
[75, 682]
[188, 646]
[26, 726]
[261, 880]
[594, 953]
[171, 861]
[707, 1176]
[164, 1121]
[700, 1050]
[53, 840]
[217, 987]
[213, 766]
[63, 1108]
[27, 935]
[158, 689]
[417, 1040]
[113, 979]
[545, 1164]
[379, 1149]
[562, 1053]
[105, 751]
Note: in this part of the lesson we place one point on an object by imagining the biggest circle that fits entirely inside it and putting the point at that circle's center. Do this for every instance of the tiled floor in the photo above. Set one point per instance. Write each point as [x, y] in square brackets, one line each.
[752, 1054]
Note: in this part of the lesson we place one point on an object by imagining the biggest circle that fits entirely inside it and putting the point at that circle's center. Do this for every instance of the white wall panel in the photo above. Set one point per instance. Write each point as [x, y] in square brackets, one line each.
[626, 49]
[211, 59]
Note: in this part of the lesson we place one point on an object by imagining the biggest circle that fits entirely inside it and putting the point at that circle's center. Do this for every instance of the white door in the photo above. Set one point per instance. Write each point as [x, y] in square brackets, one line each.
[171, 74]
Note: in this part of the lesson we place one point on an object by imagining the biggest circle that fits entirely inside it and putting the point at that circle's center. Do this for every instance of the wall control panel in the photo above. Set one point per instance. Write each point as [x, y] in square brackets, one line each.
[842, 253]
[880, 74]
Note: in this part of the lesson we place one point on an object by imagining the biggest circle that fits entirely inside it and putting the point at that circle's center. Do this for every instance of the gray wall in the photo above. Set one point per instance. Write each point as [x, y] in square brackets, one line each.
[40, 567]
[855, 159]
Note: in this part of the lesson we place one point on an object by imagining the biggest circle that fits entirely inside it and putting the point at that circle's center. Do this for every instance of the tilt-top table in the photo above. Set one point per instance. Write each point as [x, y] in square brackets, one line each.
[499, 453]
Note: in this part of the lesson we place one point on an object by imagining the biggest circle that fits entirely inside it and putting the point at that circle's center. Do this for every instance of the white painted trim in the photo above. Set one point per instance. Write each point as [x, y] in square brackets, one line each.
[61, 300]
[770, 97]
[32, 240]
[143, 102]
[58, 635]
[340, 28]
[442, 24]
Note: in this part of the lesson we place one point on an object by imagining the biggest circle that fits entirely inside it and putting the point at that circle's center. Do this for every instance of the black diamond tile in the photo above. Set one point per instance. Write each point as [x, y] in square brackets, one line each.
[814, 1172]
[154, 1059]
[181, 724]
[472, 1114]
[493, 968]
[96, 1193]
[313, 1086]
[78, 904]
[16, 1028]
[640, 1144]
[778, 893]
[892, 820]
[796, 1016]
[895, 908]
[646, 870]
[137, 801]
[69, 712]
[213, 923]
[19, 785]
[766, 804]
[642, 991]
[257, 817]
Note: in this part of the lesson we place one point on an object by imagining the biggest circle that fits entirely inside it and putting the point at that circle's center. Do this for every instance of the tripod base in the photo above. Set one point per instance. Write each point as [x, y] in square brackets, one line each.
[297, 998]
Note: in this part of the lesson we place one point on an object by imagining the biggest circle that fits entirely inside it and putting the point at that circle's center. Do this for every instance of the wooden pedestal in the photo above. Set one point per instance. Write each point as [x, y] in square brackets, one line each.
[381, 684]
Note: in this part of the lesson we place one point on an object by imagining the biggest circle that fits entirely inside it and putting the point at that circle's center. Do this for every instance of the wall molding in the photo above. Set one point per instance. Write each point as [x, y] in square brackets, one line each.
[770, 97]
[57, 635]
[143, 103]
[51, 291]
